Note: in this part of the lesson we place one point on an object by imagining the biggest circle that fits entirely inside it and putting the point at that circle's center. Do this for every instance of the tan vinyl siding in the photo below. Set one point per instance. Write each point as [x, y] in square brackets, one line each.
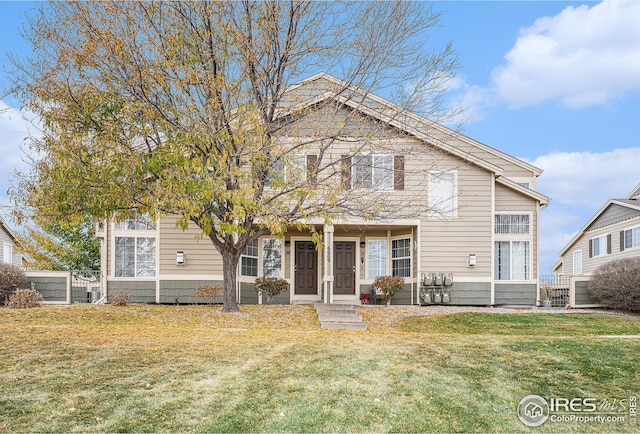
[201, 258]
[447, 242]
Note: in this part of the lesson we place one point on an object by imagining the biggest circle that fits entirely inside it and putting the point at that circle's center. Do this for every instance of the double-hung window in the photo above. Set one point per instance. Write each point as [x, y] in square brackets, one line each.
[599, 246]
[263, 255]
[512, 247]
[632, 238]
[577, 262]
[442, 193]
[401, 257]
[135, 247]
[373, 172]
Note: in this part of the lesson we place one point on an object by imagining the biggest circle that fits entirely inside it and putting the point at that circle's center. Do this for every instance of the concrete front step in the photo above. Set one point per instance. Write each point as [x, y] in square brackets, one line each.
[343, 326]
[339, 318]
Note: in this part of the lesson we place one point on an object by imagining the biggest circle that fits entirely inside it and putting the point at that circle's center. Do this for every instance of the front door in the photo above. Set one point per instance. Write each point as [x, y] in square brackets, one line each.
[306, 268]
[344, 267]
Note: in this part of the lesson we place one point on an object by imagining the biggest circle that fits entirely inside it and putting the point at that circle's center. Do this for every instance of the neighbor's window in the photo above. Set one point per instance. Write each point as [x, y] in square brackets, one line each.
[7, 253]
[514, 224]
[442, 194]
[135, 257]
[249, 260]
[376, 258]
[373, 172]
[632, 238]
[401, 257]
[599, 246]
[271, 257]
[512, 260]
[577, 262]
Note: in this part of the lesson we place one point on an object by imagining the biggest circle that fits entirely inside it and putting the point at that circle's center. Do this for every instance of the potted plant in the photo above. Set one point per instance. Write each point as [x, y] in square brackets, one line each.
[389, 286]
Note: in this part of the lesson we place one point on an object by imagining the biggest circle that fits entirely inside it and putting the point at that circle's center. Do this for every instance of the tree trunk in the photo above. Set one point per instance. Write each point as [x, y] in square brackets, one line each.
[229, 272]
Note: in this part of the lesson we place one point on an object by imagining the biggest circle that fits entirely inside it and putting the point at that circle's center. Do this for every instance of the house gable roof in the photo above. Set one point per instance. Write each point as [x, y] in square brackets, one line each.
[4, 226]
[631, 204]
[404, 120]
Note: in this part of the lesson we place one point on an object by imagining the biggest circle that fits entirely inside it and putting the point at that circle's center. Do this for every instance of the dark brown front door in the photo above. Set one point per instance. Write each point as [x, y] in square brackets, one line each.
[344, 267]
[306, 268]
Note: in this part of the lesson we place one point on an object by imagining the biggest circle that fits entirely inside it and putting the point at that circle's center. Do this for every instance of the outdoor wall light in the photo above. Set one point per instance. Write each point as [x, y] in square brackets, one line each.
[180, 257]
[471, 260]
[363, 244]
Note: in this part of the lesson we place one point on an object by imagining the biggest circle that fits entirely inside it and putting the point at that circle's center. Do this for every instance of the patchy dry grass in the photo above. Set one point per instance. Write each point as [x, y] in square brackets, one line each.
[271, 369]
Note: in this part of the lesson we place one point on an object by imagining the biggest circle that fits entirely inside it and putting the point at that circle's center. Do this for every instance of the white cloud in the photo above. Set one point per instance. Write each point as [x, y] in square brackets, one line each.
[583, 56]
[579, 184]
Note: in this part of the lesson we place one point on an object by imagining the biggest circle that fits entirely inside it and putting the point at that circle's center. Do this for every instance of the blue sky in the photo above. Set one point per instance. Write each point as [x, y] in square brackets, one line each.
[555, 83]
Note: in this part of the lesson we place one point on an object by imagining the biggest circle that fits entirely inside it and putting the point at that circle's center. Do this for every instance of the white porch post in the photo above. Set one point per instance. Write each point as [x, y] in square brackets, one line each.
[328, 265]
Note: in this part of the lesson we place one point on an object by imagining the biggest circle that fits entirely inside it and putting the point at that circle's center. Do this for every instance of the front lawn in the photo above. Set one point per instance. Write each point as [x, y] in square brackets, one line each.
[271, 368]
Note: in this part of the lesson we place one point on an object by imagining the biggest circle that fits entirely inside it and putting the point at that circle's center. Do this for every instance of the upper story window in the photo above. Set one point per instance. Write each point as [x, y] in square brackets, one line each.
[513, 224]
[442, 193]
[577, 262]
[299, 168]
[373, 172]
[601, 245]
[632, 238]
[138, 222]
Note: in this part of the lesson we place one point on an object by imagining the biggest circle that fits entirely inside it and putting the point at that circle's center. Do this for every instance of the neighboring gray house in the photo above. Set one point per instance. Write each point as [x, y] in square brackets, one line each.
[485, 231]
[612, 233]
[10, 252]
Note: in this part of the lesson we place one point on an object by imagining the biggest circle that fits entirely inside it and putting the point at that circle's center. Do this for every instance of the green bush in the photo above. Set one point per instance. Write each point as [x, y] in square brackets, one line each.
[272, 286]
[23, 298]
[12, 278]
[616, 284]
[389, 285]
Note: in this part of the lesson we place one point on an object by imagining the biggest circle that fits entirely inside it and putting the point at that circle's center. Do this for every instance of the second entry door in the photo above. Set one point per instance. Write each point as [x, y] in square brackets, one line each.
[344, 267]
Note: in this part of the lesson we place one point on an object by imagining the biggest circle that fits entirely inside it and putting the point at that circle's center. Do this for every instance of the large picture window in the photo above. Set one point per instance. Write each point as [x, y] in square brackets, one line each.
[135, 257]
[512, 260]
[271, 257]
[376, 258]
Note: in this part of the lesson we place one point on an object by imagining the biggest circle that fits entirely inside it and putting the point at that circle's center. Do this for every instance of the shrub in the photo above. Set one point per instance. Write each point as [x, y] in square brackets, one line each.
[389, 285]
[616, 284]
[120, 298]
[272, 286]
[23, 298]
[12, 278]
[208, 292]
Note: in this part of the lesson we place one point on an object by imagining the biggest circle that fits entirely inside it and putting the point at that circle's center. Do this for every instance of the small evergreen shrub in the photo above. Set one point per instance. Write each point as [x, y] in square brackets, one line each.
[616, 284]
[12, 278]
[120, 298]
[271, 286]
[24, 298]
[389, 285]
[208, 292]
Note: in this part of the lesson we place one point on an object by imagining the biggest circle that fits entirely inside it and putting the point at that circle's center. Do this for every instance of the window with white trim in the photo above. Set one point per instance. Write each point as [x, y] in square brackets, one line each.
[599, 246]
[376, 258]
[7, 253]
[138, 222]
[512, 260]
[249, 260]
[632, 238]
[272, 257]
[442, 193]
[577, 262]
[373, 172]
[401, 257]
[135, 256]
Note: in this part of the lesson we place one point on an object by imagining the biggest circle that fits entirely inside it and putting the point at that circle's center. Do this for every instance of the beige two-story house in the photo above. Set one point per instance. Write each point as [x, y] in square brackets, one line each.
[459, 208]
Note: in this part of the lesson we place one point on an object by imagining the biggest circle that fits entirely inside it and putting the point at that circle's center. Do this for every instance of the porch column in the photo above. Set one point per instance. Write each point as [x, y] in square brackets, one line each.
[328, 265]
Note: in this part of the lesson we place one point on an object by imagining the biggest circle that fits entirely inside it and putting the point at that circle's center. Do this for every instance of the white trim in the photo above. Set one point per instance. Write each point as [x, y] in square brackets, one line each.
[10, 253]
[65, 274]
[492, 247]
[573, 260]
[436, 214]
